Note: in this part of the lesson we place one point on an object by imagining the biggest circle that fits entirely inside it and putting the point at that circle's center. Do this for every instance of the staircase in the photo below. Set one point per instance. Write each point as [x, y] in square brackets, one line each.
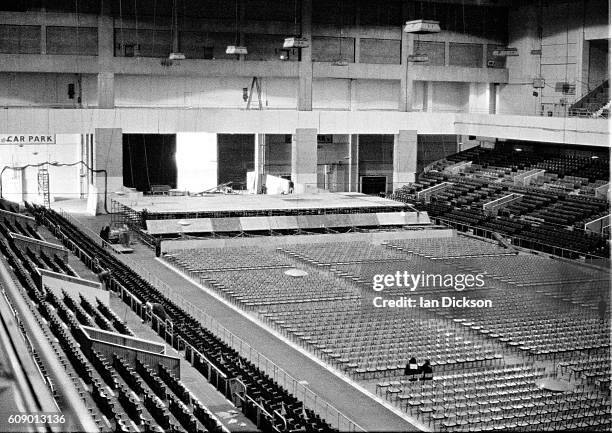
[593, 102]
[43, 186]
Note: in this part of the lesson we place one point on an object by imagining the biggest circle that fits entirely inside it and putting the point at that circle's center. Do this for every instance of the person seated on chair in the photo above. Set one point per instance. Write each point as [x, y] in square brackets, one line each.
[412, 369]
[427, 371]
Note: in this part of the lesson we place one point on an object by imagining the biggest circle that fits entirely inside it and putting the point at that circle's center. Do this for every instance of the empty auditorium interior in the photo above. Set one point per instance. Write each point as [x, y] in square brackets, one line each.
[249, 215]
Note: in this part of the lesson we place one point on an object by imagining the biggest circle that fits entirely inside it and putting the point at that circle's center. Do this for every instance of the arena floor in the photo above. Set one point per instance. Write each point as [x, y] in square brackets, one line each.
[361, 396]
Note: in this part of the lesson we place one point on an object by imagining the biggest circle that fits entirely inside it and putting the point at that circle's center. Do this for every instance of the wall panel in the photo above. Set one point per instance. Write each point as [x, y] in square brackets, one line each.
[20, 39]
[81, 41]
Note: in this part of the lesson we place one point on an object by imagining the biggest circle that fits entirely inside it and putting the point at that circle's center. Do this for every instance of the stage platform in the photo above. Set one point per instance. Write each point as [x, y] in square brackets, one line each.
[234, 214]
[226, 205]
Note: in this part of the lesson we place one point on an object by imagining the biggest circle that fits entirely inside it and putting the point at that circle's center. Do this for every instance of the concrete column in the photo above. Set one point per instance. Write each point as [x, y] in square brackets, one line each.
[428, 99]
[43, 39]
[241, 39]
[406, 80]
[305, 64]
[108, 155]
[260, 161]
[492, 98]
[485, 52]
[404, 158]
[304, 159]
[358, 33]
[479, 98]
[582, 65]
[106, 90]
[106, 51]
[353, 172]
[447, 53]
[353, 86]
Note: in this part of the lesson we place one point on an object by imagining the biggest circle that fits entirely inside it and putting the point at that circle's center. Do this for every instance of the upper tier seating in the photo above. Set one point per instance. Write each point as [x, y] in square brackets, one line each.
[548, 215]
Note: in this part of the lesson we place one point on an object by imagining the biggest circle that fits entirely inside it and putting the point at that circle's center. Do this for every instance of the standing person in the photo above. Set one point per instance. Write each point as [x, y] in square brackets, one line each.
[602, 306]
[105, 278]
[105, 233]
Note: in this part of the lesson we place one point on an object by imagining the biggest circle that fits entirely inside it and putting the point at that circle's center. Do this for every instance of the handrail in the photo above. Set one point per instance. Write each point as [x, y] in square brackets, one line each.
[588, 94]
[74, 408]
[30, 346]
[452, 223]
[311, 400]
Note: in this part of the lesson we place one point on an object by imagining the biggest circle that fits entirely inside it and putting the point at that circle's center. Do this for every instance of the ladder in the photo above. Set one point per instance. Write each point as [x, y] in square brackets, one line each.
[255, 85]
[43, 186]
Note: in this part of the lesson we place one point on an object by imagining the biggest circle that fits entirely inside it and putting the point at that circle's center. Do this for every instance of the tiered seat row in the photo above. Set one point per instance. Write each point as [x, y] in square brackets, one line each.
[527, 321]
[444, 248]
[254, 288]
[544, 218]
[186, 329]
[340, 252]
[594, 369]
[124, 405]
[367, 342]
[533, 324]
[502, 398]
[226, 259]
[528, 270]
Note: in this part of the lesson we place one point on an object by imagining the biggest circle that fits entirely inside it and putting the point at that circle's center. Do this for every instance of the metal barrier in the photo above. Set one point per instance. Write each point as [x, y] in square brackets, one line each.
[292, 385]
[520, 242]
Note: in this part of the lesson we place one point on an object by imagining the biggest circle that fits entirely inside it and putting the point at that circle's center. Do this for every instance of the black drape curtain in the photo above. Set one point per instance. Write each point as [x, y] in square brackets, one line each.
[149, 159]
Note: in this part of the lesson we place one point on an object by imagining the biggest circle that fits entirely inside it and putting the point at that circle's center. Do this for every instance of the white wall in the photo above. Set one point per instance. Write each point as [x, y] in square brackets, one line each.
[32, 89]
[64, 182]
[196, 161]
[479, 98]
[450, 97]
[331, 94]
[210, 92]
[376, 94]
[89, 84]
[565, 27]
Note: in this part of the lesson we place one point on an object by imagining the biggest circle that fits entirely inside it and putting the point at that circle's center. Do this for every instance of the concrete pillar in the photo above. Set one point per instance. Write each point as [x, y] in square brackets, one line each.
[447, 53]
[358, 33]
[485, 53]
[241, 36]
[406, 79]
[492, 98]
[106, 90]
[106, 51]
[404, 158]
[260, 161]
[582, 65]
[353, 87]
[480, 98]
[43, 39]
[108, 155]
[304, 159]
[305, 63]
[353, 172]
[428, 97]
